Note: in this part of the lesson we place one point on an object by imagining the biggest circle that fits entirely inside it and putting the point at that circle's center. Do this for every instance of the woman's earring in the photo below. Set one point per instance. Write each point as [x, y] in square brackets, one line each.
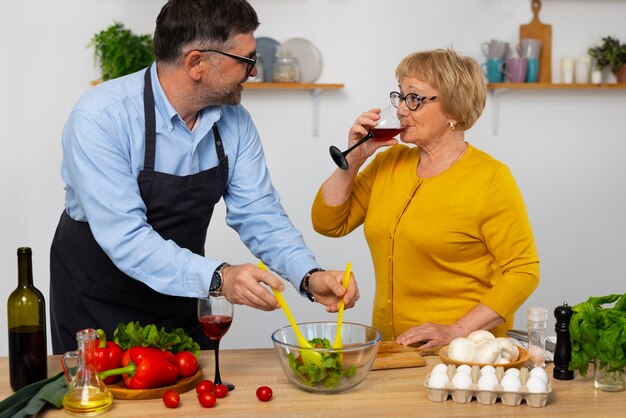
[452, 125]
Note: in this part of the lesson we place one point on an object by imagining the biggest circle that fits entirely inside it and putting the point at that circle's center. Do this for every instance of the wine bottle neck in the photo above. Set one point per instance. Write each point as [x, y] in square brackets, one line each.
[24, 270]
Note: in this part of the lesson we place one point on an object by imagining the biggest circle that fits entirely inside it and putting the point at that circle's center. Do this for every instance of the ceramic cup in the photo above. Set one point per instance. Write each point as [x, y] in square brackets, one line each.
[532, 70]
[515, 69]
[529, 48]
[495, 49]
[493, 68]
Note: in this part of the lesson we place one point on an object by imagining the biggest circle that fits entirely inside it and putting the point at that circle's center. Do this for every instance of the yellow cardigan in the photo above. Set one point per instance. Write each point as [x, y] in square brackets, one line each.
[439, 245]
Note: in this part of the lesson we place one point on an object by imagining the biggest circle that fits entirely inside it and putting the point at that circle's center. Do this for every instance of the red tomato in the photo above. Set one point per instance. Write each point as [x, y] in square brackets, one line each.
[204, 386]
[187, 363]
[171, 398]
[207, 399]
[220, 391]
[264, 393]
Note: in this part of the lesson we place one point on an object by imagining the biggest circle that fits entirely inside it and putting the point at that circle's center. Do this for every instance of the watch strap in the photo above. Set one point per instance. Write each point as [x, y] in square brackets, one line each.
[304, 285]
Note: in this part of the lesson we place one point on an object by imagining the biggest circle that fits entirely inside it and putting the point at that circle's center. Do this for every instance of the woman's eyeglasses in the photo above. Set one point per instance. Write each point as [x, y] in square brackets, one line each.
[413, 101]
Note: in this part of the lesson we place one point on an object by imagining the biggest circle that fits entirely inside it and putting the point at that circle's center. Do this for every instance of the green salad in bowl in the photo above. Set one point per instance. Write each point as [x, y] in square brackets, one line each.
[321, 368]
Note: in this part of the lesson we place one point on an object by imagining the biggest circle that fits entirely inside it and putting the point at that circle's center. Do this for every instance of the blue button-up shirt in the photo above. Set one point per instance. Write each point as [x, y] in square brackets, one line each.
[103, 153]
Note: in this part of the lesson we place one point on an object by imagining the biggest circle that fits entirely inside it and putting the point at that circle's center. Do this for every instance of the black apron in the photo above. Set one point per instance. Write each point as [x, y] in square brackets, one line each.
[88, 291]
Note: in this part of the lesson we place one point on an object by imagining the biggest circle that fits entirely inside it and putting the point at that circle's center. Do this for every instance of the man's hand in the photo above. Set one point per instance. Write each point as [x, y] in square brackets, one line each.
[242, 285]
[327, 289]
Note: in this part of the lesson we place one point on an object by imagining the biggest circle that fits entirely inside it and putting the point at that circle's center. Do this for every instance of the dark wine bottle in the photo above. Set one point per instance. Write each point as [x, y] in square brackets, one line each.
[26, 312]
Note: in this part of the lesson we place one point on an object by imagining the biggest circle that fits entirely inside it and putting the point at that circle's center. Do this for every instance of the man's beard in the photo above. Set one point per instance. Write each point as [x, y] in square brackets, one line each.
[230, 95]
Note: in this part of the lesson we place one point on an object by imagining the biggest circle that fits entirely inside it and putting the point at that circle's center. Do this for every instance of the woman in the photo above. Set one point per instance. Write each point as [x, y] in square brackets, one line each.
[450, 238]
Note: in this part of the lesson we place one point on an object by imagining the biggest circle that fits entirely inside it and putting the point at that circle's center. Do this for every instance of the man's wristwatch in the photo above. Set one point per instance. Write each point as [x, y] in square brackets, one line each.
[304, 284]
[216, 282]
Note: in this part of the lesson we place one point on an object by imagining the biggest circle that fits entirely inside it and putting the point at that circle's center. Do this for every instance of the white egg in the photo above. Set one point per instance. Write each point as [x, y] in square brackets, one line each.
[438, 380]
[440, 368]
[511, 383]
[487, 381]
[534, 384]
[488, 370]
[540, 373]
[513, 371]
[462, 380]
[464, 368]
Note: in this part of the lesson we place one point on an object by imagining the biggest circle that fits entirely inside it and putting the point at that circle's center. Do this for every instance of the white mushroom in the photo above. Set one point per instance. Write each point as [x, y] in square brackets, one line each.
[480, 336]
[487, 353]
[461, 349]
[509, 351]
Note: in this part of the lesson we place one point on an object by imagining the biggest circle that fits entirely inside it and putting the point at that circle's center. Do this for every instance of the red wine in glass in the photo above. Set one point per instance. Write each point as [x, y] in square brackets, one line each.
[215, 326]
[215, 315]
[382, 134]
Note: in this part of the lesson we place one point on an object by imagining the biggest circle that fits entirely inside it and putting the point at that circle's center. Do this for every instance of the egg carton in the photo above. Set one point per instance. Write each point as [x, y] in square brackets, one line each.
[488, 397]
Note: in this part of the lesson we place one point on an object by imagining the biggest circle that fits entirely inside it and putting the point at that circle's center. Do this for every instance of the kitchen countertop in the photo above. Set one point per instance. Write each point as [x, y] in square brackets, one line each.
[394, 393]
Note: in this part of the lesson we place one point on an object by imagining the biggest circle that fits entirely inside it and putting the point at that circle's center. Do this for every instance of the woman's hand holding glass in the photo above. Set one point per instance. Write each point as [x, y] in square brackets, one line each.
[381, 124]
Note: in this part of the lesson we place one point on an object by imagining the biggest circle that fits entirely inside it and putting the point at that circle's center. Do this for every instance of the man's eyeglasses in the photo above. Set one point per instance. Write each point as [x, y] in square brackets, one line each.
[413, 101]
[250, 62]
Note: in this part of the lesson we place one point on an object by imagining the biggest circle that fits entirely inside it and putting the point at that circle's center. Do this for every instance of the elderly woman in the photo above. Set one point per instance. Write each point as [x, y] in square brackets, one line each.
[450, 239]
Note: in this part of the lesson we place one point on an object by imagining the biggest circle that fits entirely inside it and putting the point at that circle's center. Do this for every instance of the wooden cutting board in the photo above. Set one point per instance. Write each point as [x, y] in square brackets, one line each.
[184, 384]
[537, 30]
[395, 356]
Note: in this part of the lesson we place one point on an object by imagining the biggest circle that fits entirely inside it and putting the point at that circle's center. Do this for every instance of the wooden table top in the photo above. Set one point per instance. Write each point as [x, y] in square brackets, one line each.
[393, 393]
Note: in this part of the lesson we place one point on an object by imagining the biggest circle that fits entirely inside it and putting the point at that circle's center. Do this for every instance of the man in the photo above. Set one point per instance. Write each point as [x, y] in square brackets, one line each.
[145, 159]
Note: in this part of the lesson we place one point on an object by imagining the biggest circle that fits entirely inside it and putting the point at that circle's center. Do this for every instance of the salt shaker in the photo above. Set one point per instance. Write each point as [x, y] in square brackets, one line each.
[536, 322]
[563, 350]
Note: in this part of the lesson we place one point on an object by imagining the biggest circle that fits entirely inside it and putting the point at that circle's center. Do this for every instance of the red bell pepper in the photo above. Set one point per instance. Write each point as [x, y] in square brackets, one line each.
[145, 368]
[108, 355]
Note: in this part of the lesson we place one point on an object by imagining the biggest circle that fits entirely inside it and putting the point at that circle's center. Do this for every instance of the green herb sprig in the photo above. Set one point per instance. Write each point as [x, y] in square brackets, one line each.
[598, 333]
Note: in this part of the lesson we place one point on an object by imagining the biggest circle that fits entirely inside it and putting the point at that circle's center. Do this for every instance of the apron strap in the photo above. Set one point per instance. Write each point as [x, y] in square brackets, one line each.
[150, 117]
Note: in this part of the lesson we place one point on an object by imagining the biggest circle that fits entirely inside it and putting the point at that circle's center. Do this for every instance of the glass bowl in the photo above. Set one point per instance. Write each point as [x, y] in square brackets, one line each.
[342, 368]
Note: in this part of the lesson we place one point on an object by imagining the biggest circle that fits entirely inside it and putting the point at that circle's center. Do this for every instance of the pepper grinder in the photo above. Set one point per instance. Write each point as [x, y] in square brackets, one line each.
[563, 350]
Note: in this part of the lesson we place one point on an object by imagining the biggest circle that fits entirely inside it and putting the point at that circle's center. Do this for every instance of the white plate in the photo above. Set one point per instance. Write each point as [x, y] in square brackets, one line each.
[308, 56]
[266, 48]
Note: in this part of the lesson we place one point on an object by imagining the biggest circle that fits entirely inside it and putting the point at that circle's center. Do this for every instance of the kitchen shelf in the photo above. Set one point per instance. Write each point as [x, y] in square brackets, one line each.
[496, 89]
[316, 92]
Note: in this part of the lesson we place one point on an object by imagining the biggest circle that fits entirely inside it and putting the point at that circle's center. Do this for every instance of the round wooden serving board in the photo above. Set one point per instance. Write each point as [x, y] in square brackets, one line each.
[120, 391]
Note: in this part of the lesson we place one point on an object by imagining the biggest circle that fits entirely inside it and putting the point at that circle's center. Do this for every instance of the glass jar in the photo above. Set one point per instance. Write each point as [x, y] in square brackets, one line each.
[86, 395]
[607, 381]
[286, 68]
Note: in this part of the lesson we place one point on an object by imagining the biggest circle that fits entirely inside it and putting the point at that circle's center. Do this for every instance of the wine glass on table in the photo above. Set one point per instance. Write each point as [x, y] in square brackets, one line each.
[215, 314]
[388, 126]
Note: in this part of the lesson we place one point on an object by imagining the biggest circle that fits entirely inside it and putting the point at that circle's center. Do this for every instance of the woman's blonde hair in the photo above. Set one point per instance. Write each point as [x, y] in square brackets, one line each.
[459, 80]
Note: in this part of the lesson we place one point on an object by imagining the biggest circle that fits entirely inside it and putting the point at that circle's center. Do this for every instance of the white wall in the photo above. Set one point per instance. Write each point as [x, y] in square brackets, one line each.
[564, 147]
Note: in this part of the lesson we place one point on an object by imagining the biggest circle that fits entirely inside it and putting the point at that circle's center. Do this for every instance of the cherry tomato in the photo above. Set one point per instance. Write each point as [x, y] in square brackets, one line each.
[187, 363]
[220, 391]
[207, 399]
[204, 386]
[264, 393]
[171, 398]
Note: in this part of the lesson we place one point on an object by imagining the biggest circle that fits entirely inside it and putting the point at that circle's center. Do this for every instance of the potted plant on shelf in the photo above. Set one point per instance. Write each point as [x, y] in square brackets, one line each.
[610, 54]
[119, 51]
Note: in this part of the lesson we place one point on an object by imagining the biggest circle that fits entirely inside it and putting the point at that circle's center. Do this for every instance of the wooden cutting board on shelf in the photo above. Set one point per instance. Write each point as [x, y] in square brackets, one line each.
[537, 30]
[395, 356]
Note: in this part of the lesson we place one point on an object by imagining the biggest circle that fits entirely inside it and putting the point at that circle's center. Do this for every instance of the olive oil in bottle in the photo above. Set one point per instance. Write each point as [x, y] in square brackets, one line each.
[26, 312]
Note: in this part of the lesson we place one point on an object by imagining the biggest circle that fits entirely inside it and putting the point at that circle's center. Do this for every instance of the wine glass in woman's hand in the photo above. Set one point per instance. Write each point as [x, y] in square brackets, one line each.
[215, 314]
[388, 126]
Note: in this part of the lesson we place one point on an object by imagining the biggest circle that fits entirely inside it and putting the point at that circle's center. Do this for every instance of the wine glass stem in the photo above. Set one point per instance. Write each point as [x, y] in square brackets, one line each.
[218, 379]
[362, 140]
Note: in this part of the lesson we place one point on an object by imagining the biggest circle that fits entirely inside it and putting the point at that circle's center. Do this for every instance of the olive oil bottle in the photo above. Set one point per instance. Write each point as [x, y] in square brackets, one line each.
[26, 312]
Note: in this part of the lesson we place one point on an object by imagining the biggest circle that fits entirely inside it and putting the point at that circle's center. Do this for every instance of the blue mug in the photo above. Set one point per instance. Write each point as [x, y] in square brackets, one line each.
[493, 68]
[532, 70]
